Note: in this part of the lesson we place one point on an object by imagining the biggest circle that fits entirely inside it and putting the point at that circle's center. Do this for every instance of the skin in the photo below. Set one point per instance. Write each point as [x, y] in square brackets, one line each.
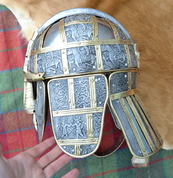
[27, 164]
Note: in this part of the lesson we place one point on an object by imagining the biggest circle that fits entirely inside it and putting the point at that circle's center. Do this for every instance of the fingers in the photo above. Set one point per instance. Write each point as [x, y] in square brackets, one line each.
[39, 149]
[72, 174]
[49, 157]
[55, 166]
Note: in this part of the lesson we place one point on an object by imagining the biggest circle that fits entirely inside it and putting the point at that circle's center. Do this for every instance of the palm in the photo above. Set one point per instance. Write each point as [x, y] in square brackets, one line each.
[25, 165]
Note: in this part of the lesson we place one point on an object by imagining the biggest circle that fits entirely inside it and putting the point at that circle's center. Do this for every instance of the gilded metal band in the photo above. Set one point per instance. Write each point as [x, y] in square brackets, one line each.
[76, 22]
[128, 55]
[77, 150]
[42, 38]
[116, 34]
[131, 122]
[28, 52]
[77, 111]
[137, 54]
[71, 93]
[90, 126]
[146, 123]
[99, 57]
[28, 98]
[63, 51]
[122, 94]
[145, 111]
[40, 76]
[93, 91]
[95, 28]
[62, 31]
[138, 118]
[80, 44]
[129, 80]
[87, 141]
[97, 47]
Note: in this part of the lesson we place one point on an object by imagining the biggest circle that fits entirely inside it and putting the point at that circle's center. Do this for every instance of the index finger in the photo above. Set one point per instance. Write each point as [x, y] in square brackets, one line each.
[39, 149]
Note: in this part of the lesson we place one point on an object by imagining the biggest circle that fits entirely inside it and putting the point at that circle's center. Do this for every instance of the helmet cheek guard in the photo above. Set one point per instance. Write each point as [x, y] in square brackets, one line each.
[81, 60]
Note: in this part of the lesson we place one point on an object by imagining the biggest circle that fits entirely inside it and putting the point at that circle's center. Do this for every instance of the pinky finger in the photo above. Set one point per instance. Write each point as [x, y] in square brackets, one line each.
[72, 174]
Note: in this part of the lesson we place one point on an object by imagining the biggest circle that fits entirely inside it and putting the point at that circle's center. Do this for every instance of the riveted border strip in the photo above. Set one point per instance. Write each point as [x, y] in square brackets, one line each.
[80, 44]
[131, 122]
[71, 93]
[116, 34]
[146, 122]
[97, 47]
[76, 22]
[129, 80]
[87, 141]
[141, 124]
[122, 94]
[93, 91]
[90, 128]
[77, 111]
[63, 51]
[148, 116]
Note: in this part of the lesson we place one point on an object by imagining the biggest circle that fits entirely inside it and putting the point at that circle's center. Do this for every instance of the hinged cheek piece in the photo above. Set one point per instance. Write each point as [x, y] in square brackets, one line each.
[87, 60]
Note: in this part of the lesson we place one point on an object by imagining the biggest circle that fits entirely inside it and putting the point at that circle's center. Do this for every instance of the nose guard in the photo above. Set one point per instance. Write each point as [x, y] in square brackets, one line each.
[77, 106]
[131, 116]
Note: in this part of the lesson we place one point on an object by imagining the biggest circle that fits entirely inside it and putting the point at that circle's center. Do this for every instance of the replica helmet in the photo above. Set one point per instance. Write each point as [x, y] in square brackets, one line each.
[80, 60]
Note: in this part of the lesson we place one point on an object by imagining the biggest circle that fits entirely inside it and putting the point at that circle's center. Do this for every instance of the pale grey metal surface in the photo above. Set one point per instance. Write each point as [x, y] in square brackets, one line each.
[75, 126]
[40, 109]
[78, 11]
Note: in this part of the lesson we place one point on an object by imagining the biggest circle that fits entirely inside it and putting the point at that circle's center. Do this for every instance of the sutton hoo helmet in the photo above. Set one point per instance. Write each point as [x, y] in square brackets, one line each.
[81, 60]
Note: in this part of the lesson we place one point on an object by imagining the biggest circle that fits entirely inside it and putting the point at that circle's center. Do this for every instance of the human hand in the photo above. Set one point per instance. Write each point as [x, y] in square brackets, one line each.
[24, 165]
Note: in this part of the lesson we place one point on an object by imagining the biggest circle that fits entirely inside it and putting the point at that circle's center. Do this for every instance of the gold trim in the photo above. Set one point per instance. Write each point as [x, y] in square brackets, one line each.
[87, 73]
[122, 94]
[28, 51]
[80, 44]
[76, 22]
[95, 28]
[90, 126]
[154, 136]
[42, 37]
[116, 34]
[141, 124]
[129, 80]
[128, 55]
[137, 54]
[28, 98]
[99, 57]
[62, 31]
[71, 93]
[93, 91]
[77, 111]
[135, 131]
[77, 150]
[63, 51]
[87, 141]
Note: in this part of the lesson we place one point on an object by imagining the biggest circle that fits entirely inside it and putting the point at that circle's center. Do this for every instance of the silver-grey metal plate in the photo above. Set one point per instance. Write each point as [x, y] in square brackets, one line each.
[78, 134]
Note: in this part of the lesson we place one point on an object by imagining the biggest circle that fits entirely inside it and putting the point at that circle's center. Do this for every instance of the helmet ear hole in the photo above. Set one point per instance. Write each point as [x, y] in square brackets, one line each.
[34, 88]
